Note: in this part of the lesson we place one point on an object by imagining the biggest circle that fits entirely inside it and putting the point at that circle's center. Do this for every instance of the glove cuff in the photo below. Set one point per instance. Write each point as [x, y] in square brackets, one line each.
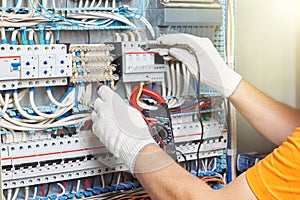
[131, 148]
[230, 81]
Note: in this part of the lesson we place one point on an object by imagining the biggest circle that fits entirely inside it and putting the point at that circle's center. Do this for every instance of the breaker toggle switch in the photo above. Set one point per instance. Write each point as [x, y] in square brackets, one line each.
[15, 66]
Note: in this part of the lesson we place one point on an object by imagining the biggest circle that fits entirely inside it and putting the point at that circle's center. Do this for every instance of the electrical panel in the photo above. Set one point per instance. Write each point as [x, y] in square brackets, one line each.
[55, 54]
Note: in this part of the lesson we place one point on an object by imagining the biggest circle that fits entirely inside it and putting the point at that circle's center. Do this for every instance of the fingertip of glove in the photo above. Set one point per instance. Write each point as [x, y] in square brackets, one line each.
[103, 91]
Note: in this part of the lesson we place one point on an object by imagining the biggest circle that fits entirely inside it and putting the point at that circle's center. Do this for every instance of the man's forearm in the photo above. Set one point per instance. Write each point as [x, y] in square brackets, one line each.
[167, 180]
[272, 119]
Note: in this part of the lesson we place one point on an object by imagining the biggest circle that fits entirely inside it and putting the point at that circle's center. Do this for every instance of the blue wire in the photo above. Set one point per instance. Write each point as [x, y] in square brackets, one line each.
[51, 14]
[41, 36]
[57, 35]
[153, 86]
[229, 172]
[144, 9]
[120, 3]
[23, 34]
[70, 89]
[141, 9]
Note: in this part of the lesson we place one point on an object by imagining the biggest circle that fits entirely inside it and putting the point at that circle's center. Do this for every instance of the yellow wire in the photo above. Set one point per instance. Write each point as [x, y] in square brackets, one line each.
[140, 91]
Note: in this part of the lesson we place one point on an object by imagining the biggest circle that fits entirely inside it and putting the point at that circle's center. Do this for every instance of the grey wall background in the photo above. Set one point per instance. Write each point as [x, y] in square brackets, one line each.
[267, 56]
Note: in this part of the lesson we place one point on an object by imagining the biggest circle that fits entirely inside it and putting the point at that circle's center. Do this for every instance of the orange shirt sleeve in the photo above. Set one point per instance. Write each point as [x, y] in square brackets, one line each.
[277, 176]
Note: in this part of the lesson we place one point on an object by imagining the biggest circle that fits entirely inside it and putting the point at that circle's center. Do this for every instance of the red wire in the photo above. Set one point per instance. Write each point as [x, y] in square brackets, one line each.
[43, 190]
[86, 184]
[65, 184]
[87, 124]
[145, 91]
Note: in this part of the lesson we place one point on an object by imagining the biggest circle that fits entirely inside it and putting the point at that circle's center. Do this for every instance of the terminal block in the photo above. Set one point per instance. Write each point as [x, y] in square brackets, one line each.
[92, 63]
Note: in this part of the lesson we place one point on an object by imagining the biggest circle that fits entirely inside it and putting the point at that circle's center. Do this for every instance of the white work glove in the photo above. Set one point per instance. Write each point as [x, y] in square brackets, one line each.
[120, 127]
[213, 70]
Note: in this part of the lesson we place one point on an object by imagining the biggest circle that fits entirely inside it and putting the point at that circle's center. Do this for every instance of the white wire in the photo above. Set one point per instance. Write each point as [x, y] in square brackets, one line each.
[215, 164]
[124, 37]
[88, 94]
[78, 186]
[6, 124]
[163, 88]
[53, 4]
[118, 37]
[3, 197]
[9, 194]
[16, 125]
[178, 79]
[48, 35]
[173, 103]
[15, 194]
[186, 80]
[224, 178]
[6, 102]
[169, 89]
[131, 36]
[138, 36]
[118, 180]
[106, 4]
[99, 3]
[26, 193]
[7, 137]
[55, 102]
[4, 5]
[23, 136]
[34, 193]
[32, 117]
[128, 90]
[149, 26]
[3, 36]
[62, 188]
[93, 3]
[204, 166]
[14, 35]
[102, 181]
[20, 109]
[30, 35]
[80, 4]
[59, 111]
[86, 3]
[102, 15]
[13, 133]
[44, 5]
[174, 88]
[1, 100]
[18, 5]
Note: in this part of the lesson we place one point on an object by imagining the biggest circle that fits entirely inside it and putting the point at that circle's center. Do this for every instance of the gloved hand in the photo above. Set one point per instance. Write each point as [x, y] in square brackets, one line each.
[213, 70]
[120, 127]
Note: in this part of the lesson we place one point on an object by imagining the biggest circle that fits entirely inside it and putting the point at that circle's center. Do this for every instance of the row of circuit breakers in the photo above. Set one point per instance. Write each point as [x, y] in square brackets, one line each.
[27, 66]
[72, 151]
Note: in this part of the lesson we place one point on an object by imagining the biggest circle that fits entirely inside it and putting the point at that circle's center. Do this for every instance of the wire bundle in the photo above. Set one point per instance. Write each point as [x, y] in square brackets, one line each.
[23, 121]
[87, 14]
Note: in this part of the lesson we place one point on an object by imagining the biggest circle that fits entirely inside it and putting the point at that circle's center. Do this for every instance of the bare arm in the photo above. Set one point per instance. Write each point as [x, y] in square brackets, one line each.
[173, 182]
[274, 120]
